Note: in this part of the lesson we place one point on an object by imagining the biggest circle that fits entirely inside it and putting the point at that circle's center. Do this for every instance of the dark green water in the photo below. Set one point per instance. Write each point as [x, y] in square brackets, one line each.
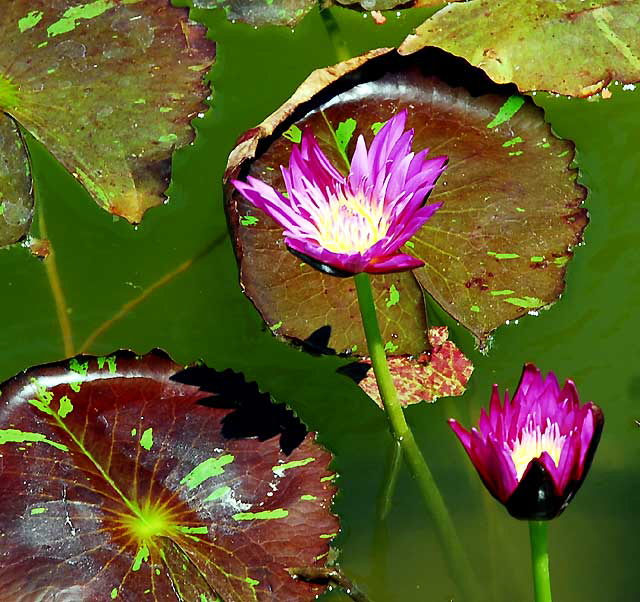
[590, 335]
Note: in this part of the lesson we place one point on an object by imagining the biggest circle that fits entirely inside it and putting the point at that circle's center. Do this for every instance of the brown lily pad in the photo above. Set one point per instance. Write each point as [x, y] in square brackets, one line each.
[129, 478]
[16, 194]
[109, 87]
[571, 47]
[443, 372]
[496, 250]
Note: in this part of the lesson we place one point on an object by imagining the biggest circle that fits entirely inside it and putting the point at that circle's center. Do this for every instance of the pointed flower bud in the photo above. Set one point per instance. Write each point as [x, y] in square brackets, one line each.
[344, 225]
[533, 452]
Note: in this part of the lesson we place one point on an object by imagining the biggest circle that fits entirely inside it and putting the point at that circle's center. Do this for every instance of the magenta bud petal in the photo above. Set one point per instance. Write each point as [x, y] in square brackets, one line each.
[534, 451]
[461, 433]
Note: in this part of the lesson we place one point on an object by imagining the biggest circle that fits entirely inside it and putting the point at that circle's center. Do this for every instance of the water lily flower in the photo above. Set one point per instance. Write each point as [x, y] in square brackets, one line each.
[534, 452]
[345, 225]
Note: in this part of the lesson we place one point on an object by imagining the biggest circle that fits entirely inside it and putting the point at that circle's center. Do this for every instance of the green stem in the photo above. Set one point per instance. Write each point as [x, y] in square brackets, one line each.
[335, 35]
[391, 481]
[458, 561]
[538, 533]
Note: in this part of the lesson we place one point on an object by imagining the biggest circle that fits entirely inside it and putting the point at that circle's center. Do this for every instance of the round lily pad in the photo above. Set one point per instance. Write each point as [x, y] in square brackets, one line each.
[109, 87]
[498, 247]
[569, 47]
[127, 477]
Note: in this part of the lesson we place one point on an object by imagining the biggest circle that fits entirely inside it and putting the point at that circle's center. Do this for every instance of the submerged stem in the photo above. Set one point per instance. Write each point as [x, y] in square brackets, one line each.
[335, 35]
[55, 284]
[433, 500]
[538, 533]
[393, 470]
[133, 303]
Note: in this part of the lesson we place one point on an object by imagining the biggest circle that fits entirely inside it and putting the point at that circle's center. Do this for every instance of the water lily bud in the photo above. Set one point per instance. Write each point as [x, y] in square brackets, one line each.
[534, 451]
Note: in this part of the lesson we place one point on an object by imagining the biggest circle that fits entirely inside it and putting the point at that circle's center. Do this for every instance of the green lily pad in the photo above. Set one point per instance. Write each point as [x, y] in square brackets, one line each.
[262, 12]
[496, 250]
[129, 478]
[573, 47]
[16, 200]
[109, 87]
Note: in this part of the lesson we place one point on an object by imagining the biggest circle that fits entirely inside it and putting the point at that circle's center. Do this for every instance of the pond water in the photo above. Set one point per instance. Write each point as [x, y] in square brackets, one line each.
[179, 275]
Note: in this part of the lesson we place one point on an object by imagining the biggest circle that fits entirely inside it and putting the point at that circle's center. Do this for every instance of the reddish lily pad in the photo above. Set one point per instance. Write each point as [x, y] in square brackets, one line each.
[496, 250]
[123, 481]
[443, 372]
[571, 47]
[109, 87]
[262, 12]
[16, 200]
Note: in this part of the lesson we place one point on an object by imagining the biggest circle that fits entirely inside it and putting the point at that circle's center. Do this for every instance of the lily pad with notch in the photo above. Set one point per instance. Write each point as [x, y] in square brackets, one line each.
[498, 247]
[570, 47]
[119, 482]
[109, 87]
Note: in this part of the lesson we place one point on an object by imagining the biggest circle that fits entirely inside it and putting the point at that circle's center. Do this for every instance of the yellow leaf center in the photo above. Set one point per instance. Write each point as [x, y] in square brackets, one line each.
[151, 521]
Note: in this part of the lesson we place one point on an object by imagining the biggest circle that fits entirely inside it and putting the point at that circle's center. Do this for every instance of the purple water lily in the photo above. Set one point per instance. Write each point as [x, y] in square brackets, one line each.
[356, 223]
[534, 451]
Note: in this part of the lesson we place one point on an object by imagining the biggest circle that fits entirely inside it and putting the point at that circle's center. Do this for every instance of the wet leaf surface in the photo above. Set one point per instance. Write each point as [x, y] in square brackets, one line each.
[496, 250]
[572, 47]
[16, 200]
[121, 481]
[109, 87]
[262, 12]
[290, 12]
[443, 372]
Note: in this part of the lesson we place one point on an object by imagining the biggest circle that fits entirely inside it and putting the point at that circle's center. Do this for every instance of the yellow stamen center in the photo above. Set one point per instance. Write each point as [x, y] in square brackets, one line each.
[533, 442]
[350, 225]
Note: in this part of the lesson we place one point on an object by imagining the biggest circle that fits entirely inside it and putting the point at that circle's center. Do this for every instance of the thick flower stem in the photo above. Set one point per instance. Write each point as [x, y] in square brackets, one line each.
[434, 502]
[538, 533]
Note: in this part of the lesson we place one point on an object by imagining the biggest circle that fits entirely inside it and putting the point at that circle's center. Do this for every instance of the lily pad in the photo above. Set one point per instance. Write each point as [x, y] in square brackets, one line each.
[571, 47]
[386, 4]
[109, 87]
[443, 372]
[119, 482]
[262, 12]
[496, 250]
[16, 200]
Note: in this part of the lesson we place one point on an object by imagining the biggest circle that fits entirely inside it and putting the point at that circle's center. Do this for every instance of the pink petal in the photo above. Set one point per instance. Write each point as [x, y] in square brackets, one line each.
[462, 433]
